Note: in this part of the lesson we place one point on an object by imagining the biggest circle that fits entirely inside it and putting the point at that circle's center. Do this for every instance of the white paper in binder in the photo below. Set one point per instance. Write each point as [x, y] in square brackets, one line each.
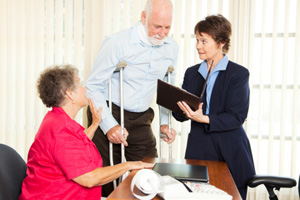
[151, 184]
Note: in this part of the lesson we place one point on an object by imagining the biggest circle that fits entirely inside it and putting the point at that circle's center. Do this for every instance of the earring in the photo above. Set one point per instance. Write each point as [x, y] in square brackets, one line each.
[73, 101]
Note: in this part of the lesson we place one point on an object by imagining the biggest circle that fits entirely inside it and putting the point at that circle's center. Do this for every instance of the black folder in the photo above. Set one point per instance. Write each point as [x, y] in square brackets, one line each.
[183, 172]
[168, 95]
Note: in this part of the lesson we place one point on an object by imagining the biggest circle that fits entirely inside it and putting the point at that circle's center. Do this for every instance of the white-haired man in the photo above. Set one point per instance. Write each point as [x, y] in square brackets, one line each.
[148, 52]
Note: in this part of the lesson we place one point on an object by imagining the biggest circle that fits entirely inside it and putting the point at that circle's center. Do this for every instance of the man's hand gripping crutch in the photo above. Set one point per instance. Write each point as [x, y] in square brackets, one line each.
[118, 134]
[168, 134]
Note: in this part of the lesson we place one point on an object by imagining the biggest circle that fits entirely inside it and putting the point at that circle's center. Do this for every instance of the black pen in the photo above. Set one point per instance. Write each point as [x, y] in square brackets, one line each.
[186, 186]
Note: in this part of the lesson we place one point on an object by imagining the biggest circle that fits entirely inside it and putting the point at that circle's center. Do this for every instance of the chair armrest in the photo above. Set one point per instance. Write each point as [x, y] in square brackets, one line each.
[272, 181]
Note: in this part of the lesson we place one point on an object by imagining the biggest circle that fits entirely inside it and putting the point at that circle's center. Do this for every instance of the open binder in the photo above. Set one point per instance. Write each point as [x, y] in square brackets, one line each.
[168, 95]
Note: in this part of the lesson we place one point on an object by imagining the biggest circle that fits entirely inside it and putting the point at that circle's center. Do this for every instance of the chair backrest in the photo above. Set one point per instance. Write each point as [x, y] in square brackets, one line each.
[12, 173]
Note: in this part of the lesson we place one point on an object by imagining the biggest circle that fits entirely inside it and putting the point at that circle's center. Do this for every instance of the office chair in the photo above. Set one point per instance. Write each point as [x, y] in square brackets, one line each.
[271, 183]
[12, 172]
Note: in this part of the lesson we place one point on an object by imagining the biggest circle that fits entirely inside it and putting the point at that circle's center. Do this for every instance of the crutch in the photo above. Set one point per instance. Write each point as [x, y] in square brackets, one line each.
[119, 68]
[111, 152]
[170, 70]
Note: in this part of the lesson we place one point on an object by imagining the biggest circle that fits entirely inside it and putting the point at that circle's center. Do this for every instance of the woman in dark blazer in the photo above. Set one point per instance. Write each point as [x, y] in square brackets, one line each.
[216, 127]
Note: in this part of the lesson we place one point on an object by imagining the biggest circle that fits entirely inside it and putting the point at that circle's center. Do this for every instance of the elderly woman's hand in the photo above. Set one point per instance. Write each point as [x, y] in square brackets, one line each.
[140, 165]
[96, 115]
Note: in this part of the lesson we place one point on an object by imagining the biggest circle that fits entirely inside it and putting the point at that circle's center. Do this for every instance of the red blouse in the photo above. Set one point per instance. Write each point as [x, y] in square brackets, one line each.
[60, 152]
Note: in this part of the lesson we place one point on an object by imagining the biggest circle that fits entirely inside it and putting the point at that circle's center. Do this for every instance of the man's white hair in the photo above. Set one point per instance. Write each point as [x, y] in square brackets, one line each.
[149, 6]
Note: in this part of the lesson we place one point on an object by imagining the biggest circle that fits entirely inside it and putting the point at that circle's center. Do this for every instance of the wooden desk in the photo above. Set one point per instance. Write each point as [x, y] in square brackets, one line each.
[218, 171]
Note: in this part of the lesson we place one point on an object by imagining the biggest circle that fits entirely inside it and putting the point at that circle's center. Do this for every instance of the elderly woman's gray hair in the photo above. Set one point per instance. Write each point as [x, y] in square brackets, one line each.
[53, 83]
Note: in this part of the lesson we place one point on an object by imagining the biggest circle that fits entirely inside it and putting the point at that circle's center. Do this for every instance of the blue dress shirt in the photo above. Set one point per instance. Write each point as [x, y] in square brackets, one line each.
[221, 66]
[145, 64]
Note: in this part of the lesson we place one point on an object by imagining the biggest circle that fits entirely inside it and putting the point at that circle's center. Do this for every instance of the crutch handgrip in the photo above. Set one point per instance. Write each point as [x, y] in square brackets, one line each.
[162, 135]
[171, 69]
[120, 65]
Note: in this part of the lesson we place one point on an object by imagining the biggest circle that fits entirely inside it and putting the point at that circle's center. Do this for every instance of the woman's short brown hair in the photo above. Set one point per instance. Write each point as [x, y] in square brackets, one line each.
[218, 27]
[53, 83]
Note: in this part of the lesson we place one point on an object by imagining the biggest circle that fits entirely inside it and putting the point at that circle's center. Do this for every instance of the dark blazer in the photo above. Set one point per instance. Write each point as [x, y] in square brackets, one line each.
[224, 138]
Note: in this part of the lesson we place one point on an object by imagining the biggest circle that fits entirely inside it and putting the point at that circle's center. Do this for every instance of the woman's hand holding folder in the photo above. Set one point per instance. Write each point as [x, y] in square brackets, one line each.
[193, 115]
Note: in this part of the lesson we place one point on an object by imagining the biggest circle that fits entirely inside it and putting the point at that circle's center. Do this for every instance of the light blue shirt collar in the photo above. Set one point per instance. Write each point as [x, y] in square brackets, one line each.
[221, 66]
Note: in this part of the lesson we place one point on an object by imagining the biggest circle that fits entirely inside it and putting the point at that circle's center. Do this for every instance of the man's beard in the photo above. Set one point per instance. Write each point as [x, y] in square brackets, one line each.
[155, 39]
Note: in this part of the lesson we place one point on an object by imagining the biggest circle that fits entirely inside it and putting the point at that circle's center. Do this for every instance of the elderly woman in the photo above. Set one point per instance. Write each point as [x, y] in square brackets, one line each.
[63, 162]
[216, 127]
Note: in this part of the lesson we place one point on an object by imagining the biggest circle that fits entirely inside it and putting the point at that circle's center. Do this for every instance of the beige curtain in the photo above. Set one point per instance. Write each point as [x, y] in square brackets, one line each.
[35, 34]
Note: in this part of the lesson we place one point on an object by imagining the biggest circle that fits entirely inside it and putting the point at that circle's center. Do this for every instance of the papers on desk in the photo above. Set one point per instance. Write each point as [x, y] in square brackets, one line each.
[151, 183]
